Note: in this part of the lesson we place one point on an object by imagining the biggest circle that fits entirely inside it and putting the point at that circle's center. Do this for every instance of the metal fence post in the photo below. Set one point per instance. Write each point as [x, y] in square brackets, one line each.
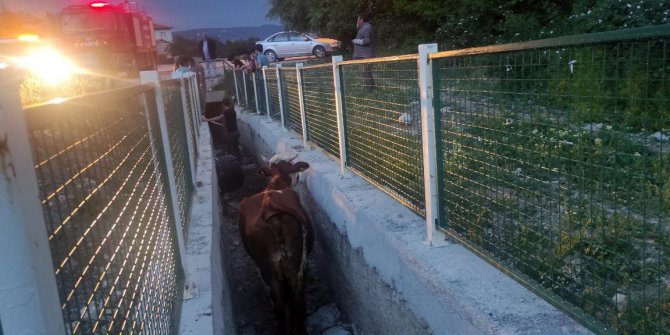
[301, 99]
[246, 94]
[267, 94]
[253, 78]
[195, 93]
[339, 107]
[237, 91]
[152, 77]
[280, 94]
[29, 301]
[190, 132]
[429, 141]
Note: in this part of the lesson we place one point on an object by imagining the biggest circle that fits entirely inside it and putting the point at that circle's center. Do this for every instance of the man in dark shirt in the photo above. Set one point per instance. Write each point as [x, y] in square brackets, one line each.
[223, 126]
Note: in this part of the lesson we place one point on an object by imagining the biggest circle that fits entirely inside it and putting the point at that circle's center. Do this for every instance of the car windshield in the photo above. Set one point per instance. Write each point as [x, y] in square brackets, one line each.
[88, 21]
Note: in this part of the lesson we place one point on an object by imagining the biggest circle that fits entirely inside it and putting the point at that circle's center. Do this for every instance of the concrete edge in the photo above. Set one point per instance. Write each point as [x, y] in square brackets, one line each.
[208, 311]
[449, 287]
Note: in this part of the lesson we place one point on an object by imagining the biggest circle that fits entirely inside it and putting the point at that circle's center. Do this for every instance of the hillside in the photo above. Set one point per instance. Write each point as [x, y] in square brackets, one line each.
[232, 33]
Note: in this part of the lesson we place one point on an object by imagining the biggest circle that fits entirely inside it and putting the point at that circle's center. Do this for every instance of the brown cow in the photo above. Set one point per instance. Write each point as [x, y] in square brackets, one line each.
[277, 234]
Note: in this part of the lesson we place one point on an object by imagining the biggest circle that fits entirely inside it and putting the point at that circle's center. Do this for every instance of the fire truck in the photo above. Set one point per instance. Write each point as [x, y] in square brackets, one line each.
[111, 39]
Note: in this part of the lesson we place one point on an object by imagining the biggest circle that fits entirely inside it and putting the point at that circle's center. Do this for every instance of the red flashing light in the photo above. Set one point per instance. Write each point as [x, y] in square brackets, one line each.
[99, 4]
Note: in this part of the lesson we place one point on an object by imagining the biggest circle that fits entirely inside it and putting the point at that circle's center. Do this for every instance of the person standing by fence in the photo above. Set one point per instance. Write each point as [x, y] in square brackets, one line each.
[364, 48]
[261, 59]
[207, 50]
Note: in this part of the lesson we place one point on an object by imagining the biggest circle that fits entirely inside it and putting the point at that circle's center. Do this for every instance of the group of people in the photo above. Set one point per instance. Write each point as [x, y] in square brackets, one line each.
[221, 115]
[248, 61]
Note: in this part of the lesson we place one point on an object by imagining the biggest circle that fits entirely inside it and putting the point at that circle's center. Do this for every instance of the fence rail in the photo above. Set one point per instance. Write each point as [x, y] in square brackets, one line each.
[104, 186]
[553, 159]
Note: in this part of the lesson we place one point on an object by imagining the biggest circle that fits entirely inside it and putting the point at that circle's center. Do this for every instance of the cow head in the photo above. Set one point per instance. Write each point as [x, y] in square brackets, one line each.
[284, 174]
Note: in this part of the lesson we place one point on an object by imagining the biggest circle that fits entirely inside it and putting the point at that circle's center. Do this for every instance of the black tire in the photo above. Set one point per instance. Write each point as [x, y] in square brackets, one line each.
[228, 172]
[319, 51]
[271, 55]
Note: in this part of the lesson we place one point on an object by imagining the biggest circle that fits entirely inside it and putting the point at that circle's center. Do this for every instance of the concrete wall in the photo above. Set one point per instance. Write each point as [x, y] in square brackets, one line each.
[206, 308]
[384, 276]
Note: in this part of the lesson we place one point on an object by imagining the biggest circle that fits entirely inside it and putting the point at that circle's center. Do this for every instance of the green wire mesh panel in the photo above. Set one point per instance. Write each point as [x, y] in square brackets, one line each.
[249, 81]
[179, 149]
[273, 93]
[229, 82]
[260, 91]
[292, 99]
[383, 127]
[555, 163]
[319, 96]
[239, 93]
[103, 185]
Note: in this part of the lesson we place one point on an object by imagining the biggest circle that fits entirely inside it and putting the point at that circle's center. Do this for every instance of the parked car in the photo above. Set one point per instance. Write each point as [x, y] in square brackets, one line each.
[292, 44]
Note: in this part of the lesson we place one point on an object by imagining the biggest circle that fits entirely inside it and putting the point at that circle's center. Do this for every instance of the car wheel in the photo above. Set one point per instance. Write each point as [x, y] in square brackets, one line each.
[319, 51]
[272, 56]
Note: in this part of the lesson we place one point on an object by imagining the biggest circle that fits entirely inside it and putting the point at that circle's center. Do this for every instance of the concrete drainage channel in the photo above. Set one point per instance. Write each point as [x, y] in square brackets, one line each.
[252, 312]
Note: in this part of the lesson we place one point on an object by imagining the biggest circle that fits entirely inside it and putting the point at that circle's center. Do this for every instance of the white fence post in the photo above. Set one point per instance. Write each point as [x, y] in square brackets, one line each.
[152, 77]
[301, 99]
[267, 94]
[339, 107]
[253, 78]
[429, 141]
[237, 91]
[280, 95]
[246, 94]
[190, 132]
[29, 301]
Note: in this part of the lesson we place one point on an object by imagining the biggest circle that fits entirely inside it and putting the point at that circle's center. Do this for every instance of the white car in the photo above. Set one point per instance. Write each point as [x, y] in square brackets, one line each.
[291, 44]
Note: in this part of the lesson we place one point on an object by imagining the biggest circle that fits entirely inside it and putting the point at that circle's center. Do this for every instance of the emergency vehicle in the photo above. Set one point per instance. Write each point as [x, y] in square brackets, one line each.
[112, 39]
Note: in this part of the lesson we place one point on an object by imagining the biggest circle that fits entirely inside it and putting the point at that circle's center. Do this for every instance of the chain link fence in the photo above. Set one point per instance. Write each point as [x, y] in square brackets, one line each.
[179, 148]
[273, 93]
[382, 116]
[554, 163]
[103, 190]
[553, 159]
[260, 92]
[292, 99]
[319, 99]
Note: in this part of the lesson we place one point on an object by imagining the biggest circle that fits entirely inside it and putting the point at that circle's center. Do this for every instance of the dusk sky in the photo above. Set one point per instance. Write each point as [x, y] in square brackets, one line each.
[180, 14]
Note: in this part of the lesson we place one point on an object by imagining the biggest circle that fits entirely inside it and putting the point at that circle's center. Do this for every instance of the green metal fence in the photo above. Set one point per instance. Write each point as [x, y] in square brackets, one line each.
[319, 99]
[179, 148]
[260, 93]
[250, 102]
[554, 164]
[553, 159]
[383, 126]
[229, 82]
[292, 99]
[273, 93]
[103, 190]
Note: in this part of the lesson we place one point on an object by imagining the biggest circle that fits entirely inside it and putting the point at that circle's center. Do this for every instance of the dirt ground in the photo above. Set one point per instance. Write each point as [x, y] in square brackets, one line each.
[251, 306]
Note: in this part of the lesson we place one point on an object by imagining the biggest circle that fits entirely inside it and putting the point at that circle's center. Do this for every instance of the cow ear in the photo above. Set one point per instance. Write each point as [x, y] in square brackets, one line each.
[301, 166]
[264, 171]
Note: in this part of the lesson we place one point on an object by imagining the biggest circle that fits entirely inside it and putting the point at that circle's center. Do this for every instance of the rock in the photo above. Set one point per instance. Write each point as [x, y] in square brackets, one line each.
[405, 118]
[660, 137]
[324, 318]
[337, 330]
[593, 127]
[621, 301]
